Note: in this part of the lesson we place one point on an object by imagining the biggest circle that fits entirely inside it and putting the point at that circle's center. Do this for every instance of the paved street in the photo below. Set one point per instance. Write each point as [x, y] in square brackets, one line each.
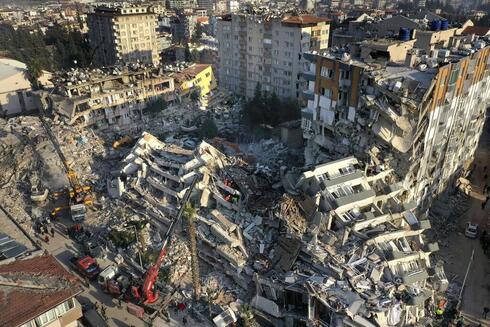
[476, 294]
[63, 248]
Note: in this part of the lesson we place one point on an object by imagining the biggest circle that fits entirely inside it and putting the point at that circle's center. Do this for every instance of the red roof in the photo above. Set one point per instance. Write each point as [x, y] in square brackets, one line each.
[305, 20]
[31, 287]
[477, 30]
[202, 20]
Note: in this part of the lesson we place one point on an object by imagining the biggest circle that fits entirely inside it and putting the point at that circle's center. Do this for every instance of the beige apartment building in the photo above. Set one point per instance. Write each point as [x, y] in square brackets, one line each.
[123, 34]
[258, 49]
[111, 100]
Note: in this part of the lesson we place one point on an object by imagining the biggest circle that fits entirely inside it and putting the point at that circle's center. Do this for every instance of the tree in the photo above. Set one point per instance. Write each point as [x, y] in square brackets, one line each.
[195, 55]
[198, 31]
[268, 109]
[190, 213]
[156, 106]
[208, 128]
[195, 95]
[34, 71]
[247, 316]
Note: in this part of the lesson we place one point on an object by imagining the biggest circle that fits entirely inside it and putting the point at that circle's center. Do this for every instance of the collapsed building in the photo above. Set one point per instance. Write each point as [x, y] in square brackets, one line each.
[110, 99]
[422, 117]
[116, 99]
[364, 260]
[345, 249]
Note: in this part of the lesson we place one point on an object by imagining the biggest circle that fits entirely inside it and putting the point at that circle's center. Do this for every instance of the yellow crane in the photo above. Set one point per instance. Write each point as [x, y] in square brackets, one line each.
[78, 194]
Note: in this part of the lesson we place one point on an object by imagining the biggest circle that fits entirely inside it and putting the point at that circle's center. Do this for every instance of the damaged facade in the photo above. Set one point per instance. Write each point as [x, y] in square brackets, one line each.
[107, 100]
[364, 260]
[422, 118]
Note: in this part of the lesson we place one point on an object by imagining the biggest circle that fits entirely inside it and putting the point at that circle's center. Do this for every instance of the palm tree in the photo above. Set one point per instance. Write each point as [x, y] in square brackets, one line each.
[190, 213]
[247, 315]
[34, 71]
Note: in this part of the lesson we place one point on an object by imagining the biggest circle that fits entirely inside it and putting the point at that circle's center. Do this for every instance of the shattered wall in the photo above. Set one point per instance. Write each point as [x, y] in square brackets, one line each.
[423, 124]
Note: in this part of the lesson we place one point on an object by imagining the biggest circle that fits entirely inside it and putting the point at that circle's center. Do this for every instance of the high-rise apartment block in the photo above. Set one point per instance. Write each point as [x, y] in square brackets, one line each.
[422, 119]
[123, 34]
[256, 49]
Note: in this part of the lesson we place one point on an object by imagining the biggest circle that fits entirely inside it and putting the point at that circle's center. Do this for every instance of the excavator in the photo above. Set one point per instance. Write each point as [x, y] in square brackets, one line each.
[146, 293]
[78, 194]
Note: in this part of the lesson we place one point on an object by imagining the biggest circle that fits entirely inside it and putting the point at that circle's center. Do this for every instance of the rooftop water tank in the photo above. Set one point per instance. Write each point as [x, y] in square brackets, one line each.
[435, 25]
[404, 34]
[444, 25]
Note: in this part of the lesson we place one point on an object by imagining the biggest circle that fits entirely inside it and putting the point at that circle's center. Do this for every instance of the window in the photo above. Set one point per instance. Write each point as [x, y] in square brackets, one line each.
[325, 72]
[46, 318]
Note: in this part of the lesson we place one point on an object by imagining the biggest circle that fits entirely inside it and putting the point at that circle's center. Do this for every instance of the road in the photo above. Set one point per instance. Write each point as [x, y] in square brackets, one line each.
[476, 293]
[63, 248]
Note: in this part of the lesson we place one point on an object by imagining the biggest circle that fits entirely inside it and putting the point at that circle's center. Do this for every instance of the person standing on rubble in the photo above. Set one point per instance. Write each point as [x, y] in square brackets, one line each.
[52, 232]
[46, 239]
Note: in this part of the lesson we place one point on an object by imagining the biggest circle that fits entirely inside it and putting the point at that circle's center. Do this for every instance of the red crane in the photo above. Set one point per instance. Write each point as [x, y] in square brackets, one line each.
[147, 289]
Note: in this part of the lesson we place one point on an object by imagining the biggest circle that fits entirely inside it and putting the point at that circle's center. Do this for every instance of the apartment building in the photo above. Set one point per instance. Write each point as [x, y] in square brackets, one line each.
[258, 49]
[198, 77]
[123, 34]
[112, 100]
[38, 292]
[15, 88]
[422, 120]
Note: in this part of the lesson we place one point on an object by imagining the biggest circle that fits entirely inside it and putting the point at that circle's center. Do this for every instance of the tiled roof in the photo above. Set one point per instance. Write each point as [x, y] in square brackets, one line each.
[478, 30]
[31, 287]
[190, 72]
[304, 20]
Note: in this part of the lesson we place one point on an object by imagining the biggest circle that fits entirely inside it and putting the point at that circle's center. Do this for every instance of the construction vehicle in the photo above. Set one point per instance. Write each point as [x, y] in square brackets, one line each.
[86, 266]
[125, 140]
[112, 281]
[465, 186]
[78, 194]
[146, 293]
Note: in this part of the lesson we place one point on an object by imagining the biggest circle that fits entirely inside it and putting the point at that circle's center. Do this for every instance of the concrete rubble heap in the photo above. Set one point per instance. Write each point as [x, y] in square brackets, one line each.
[345, 249]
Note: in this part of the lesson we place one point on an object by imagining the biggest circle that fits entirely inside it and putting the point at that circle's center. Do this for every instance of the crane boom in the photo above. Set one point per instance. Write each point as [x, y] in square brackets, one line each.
[152, 273]
[78, 193]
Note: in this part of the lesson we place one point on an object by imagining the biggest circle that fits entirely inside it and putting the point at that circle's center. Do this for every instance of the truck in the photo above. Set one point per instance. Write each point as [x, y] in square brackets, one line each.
[86, 266]
[112, 281]
[78, 212]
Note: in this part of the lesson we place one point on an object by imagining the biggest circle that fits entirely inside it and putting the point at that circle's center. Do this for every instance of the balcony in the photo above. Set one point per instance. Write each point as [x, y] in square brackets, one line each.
[309, 95]
[309, 75]
[309, 56]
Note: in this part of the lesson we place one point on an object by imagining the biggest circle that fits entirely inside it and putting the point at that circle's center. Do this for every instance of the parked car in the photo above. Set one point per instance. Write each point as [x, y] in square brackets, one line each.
[471, 230]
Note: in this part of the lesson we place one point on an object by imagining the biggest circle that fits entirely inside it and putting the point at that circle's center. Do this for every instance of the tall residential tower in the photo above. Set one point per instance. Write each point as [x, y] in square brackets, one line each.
[254, 49]
[123, 34]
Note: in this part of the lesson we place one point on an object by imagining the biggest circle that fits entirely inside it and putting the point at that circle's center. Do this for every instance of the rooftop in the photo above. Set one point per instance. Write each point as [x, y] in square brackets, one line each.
[190, 72]
[10, 67]
[478, 30]
[33, 286]
[305, 20]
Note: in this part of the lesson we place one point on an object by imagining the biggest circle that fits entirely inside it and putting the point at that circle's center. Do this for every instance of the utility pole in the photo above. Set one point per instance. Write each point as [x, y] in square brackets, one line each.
[464, 280]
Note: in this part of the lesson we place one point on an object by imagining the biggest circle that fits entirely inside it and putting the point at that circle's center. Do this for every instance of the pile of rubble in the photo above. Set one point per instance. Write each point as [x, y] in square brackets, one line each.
[345, 249]
[342, 246]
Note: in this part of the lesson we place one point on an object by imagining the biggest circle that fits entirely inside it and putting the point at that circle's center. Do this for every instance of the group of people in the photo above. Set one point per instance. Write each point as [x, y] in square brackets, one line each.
[44, 230]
